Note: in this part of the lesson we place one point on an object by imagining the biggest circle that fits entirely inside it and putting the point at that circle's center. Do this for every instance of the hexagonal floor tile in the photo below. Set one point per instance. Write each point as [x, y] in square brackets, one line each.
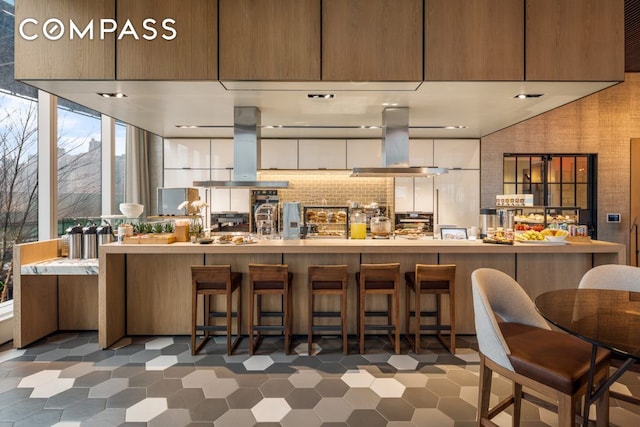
[305, 378]
[258, 363]
[198, 378]
[159, 343]
[387, 387]
[146, 409]
[333, 409]
[270, 410]
[46, 383]
[357, 378]
[403, 362]
[220, 388]
[161, 363]
[303, 349]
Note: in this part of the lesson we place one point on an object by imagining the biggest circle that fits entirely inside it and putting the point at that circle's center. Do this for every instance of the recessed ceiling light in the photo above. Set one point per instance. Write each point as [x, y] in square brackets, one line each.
[528, 95]
[112, 94]
[320, 95]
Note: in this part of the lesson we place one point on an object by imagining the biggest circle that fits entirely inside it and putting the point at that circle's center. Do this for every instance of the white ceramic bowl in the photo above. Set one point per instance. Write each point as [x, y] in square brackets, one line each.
[556, 238]
[131, 210]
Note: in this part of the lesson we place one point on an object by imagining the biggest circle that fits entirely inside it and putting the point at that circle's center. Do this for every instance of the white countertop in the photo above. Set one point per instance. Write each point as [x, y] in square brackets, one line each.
[62, 267]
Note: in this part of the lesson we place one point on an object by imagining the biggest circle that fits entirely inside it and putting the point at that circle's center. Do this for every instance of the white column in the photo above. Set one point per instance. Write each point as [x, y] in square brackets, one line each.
[47, 166]
[108, 164]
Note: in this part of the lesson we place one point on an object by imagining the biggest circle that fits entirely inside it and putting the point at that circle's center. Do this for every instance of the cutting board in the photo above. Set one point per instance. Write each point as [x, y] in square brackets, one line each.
[151, 239]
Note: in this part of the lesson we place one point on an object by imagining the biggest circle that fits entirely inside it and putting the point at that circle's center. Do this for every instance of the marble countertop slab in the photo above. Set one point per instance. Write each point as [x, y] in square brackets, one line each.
[61, 267]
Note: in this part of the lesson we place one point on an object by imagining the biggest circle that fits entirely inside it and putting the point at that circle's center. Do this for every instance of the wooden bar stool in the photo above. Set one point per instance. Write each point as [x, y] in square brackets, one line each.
[379, 279]
[328, 280]
[270, 279]
[208, 281]
[436, 280]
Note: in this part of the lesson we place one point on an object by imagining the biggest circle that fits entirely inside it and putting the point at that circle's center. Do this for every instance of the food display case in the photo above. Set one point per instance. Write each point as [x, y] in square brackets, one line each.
[543, 216]
[326, 221]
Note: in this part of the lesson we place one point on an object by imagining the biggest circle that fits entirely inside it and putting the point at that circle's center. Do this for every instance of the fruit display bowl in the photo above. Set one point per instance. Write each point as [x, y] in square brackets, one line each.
[131, 210]
[556, 238]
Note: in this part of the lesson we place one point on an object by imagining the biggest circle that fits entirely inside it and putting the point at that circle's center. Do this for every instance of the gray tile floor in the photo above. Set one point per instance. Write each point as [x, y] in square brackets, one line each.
[66, 380]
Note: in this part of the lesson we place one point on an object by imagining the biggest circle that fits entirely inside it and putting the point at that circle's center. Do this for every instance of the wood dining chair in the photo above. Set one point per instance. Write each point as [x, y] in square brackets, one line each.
[517, 343]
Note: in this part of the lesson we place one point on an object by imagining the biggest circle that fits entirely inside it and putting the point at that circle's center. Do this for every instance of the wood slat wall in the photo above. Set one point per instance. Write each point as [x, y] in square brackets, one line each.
[79, 59]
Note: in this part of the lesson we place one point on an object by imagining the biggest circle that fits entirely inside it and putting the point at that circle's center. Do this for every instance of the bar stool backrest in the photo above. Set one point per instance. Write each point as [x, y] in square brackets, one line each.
[333, 276]
[376, 275]
[270, 275]
[211, 276]
[440, 276]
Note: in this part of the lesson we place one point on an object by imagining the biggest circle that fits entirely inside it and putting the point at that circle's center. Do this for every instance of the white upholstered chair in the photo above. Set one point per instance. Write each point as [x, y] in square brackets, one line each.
[517, 343]
[612, 276]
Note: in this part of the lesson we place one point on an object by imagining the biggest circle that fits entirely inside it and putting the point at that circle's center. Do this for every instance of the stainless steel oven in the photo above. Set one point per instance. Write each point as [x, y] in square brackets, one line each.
[414, 220]
[229, 222]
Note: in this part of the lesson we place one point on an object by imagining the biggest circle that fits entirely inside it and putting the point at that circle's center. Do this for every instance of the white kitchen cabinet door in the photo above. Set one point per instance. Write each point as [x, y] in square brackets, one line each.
[221, 153]
[187, 153]
[178, 178]
[322, 154]
[403, 194]
[457, 153]
[421, 152]
[279, 154]
[423, 194]
[220, 197]
[457, 198]
[240, 200]
[364, 153]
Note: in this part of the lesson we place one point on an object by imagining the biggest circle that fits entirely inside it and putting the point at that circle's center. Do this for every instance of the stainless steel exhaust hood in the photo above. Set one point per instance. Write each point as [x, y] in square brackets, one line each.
[246, 153]
[395, 149]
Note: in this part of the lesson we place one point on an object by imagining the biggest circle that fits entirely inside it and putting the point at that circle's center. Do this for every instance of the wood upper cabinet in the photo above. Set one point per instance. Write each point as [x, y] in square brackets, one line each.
[474, 40]
[372, 40]
[575, 40]
[64, 58]
[191, 55]
[269, 40]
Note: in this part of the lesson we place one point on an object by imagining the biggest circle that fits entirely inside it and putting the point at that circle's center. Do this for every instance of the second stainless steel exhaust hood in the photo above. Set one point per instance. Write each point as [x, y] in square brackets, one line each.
[246, 153]
[395, 149]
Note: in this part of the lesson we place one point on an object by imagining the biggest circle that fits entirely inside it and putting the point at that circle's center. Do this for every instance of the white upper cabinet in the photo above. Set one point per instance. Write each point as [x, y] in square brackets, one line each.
[423, 194]
[457, 153]
[220, 197]
[239, 200]
[403, 194]
[421, 152]
[184, 178]
[322, 154]
[364, 153]
[221, 153]
[279, 154]
[187, 153]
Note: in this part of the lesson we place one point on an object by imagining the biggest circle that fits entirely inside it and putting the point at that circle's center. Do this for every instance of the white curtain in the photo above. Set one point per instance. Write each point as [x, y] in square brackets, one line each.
[137, 168]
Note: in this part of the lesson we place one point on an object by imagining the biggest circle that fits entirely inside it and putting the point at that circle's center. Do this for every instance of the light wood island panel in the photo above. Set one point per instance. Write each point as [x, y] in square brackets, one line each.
[156, 279]
[46, 303]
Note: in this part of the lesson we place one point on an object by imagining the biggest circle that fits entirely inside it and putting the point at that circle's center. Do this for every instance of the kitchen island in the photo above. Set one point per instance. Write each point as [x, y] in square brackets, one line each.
[146, 289]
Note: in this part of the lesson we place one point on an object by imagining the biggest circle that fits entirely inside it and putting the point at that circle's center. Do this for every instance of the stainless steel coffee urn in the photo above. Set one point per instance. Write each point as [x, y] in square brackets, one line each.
[291, 220]
[74, 234]
[89, 242]
[105, 234]
[488, 219]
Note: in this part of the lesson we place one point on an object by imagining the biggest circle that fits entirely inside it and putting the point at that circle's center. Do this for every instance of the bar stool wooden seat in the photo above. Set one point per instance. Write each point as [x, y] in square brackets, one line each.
[209, 281]
[328, 280]
[269, 279]
[379, 279]
[437, 280]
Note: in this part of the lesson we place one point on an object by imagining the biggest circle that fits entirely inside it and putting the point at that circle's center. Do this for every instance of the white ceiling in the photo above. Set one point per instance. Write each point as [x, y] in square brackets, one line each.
[161, 106]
